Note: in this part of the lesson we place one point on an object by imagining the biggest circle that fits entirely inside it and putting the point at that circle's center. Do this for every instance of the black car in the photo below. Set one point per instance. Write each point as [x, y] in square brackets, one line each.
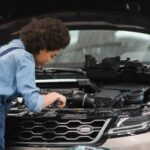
[104, 73]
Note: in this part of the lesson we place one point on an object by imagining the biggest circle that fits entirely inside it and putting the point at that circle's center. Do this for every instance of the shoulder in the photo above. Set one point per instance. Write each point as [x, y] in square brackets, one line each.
[24, 58]
[20, 53]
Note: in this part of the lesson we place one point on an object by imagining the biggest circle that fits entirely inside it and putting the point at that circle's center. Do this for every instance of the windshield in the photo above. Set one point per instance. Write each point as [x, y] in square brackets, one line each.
[105, 43]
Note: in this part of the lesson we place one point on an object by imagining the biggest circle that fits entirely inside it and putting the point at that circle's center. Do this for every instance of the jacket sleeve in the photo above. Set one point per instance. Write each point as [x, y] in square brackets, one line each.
[26, 86]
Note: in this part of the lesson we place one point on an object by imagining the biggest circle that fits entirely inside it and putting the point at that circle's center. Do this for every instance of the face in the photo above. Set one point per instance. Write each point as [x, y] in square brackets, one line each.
[44, 56]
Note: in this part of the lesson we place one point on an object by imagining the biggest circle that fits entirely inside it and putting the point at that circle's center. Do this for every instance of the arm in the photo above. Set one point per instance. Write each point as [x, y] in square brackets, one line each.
[26, 86]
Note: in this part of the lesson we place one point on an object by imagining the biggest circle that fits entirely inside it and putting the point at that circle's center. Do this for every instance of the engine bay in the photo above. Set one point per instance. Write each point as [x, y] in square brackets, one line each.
[118, 96]
[106, 96]
[113, 83]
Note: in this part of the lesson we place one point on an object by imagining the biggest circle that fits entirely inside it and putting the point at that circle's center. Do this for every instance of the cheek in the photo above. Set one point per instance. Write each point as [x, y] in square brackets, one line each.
[48, 58]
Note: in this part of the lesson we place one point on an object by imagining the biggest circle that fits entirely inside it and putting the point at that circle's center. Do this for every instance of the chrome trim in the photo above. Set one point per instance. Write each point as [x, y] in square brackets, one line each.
[59, 80]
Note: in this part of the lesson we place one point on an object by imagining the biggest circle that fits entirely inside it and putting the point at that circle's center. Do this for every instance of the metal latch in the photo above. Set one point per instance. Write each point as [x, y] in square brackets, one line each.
[133, 7]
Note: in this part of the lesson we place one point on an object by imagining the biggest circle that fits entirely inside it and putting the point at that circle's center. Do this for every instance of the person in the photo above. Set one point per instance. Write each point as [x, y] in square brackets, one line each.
[38, 42]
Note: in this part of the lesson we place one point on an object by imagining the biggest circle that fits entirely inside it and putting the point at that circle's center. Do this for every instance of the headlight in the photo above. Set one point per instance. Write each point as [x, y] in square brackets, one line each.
[131, 126]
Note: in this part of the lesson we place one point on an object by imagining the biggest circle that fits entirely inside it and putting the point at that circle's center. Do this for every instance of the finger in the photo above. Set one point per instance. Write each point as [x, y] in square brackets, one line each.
[62, 105]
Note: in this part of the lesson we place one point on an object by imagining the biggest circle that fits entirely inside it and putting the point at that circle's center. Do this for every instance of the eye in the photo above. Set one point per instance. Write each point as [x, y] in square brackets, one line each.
[52, 56]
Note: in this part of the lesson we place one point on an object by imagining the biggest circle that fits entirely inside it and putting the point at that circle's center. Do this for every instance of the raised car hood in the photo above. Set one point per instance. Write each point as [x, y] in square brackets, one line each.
[124, 14]
[17, 8]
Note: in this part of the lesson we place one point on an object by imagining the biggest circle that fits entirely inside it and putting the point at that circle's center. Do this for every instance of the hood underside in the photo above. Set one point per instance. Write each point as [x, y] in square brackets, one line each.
[16, 8]
[114, 14]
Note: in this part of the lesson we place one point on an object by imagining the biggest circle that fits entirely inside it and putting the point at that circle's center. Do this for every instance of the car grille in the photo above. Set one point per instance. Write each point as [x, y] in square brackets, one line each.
[47, 131]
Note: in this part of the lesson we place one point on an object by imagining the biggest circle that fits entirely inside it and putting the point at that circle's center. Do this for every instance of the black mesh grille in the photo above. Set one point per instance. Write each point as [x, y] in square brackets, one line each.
[41, 131]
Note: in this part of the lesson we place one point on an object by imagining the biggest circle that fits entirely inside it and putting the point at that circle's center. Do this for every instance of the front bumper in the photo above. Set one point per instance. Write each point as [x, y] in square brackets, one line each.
[135, 142]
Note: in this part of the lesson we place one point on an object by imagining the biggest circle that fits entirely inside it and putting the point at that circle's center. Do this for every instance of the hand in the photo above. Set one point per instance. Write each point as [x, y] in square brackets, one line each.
[53, 97]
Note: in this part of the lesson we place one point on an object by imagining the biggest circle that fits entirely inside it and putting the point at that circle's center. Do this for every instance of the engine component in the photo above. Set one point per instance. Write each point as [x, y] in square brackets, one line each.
[135, 96]
[79, 99]
[107, 98]
[147, 95]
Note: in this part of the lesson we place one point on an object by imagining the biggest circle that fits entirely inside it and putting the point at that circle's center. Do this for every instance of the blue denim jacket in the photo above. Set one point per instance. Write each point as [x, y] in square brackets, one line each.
[17, 76]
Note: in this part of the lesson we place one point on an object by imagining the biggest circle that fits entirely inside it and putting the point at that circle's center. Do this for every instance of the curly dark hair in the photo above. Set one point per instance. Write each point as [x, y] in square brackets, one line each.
[47, 33]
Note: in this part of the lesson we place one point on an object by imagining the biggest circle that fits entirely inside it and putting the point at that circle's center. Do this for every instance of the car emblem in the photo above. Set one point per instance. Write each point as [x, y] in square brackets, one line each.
[85, 129]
